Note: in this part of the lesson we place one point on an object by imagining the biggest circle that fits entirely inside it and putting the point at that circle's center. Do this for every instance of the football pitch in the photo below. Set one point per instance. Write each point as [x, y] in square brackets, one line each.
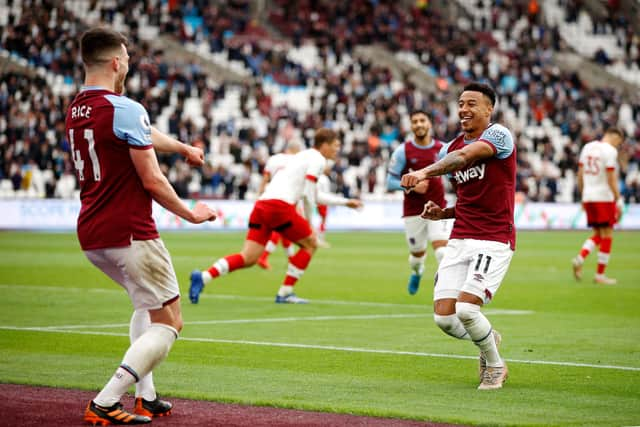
[363, 346]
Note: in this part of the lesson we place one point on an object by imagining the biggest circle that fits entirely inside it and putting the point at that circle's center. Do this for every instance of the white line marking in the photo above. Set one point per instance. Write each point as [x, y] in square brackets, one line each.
[270, 320]
[270, 299]
[335, 348]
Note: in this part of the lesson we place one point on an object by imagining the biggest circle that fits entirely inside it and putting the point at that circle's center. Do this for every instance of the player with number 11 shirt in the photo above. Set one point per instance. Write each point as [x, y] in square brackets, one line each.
[482, 163]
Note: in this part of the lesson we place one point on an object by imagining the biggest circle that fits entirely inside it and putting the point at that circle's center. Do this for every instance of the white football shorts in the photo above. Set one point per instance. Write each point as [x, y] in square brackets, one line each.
[419, 231]
[144, 269]
[473, 266]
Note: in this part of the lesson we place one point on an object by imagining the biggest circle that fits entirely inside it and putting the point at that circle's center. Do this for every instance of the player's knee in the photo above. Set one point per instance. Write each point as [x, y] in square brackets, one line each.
[178, 323]
[309, 243]
[250, 258]
[446, 323]
[467, 312]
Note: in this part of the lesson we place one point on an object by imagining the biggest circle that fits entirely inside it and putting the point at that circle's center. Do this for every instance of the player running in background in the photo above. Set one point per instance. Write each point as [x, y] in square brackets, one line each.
[414, 154]
[598, 184]
[276, 210]
[111, 145]
[274, 164]
[324, 188]
[482, 161]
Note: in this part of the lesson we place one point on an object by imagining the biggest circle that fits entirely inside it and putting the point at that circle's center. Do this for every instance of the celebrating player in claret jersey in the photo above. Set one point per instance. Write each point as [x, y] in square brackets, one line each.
[415, 154]
[112, 146]
[598, 184]
[276, 210]
[482, 162]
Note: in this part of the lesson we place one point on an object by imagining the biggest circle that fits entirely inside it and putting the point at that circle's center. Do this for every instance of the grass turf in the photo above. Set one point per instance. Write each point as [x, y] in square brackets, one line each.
[363, 346]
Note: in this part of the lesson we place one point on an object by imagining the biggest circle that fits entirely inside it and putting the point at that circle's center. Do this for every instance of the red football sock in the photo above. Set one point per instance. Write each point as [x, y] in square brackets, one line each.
[603, 255]
[286, 243]
[226, 265]
[590, 244]
[297, 264]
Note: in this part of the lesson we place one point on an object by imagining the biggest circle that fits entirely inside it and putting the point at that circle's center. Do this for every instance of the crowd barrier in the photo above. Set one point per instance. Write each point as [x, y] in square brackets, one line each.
[55, 214]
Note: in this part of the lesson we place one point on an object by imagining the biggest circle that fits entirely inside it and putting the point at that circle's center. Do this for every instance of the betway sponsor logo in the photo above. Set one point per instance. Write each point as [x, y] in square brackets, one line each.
[470, 173]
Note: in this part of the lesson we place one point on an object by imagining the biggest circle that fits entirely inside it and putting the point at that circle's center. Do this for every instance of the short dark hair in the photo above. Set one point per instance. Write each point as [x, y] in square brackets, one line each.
[615, 131]
[483, 88]
[323, 136]
[419, 111]
[97, 42]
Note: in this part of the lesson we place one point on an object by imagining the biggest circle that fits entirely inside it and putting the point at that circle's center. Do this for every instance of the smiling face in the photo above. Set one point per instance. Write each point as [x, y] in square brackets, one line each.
[421, 127]
[474, 112]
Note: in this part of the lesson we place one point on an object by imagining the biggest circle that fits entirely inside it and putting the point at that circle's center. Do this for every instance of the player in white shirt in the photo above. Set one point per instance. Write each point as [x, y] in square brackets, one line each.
[324, 188]
[276, 210]
[275, 164]
[598, 184]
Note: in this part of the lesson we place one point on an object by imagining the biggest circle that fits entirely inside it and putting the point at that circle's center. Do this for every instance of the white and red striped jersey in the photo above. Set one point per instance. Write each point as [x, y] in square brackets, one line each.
[276, 163]
[596, 158]
[289, 183]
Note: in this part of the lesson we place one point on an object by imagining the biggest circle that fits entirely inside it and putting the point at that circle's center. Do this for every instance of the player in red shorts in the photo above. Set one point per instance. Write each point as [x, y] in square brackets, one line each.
[598, 184]
[324, 188]
[276, 210]
[276, 163]
[112, 148]
[482, 163]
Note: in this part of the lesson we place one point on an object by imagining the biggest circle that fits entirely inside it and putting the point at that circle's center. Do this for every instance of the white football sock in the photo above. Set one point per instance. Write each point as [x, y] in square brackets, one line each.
[206, 276]
[451, 325]
[141, 357]
[291, 250]
[439, 253]
[140, 322]
[270, 247]
[285, 290]
[480, 331]
[417, 263]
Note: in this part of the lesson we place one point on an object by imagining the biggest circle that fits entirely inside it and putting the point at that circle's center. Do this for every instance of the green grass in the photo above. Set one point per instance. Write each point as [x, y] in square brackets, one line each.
[386, 358]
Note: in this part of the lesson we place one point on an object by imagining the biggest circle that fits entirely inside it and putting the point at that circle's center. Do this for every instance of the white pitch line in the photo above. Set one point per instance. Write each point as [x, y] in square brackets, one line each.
[270, 299]
[345, 349]
[269, 320]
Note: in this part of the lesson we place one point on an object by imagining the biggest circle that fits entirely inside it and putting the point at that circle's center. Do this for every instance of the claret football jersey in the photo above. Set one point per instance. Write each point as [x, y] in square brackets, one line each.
[486, 190]
[102, 127]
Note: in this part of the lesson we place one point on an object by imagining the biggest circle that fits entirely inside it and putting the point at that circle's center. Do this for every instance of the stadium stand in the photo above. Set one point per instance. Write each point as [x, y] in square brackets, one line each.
[246, 88]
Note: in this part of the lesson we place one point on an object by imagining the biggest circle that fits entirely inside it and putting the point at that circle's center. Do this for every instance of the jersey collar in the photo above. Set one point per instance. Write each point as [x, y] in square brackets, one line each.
[84, 88]
[422, 147]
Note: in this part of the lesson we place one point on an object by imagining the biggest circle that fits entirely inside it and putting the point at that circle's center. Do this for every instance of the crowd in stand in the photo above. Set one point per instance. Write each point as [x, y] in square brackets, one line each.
[363, 101]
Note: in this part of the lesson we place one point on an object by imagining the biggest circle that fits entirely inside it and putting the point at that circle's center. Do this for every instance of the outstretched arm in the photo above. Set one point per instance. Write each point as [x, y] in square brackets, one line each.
[453, 161]
[156, 183]
[166, 144]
